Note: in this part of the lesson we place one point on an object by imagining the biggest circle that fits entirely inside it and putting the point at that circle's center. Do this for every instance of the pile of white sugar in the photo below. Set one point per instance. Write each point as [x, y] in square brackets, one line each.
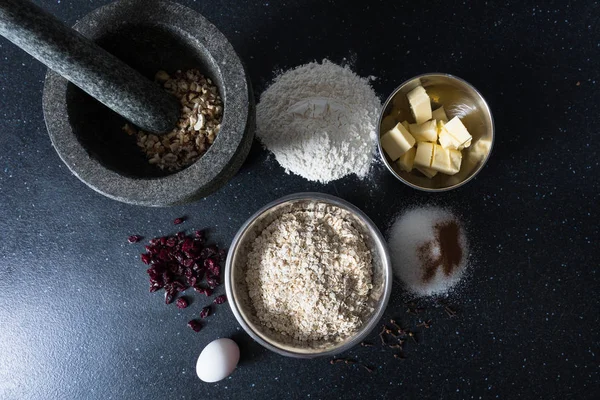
[429, 250]
[320, 121]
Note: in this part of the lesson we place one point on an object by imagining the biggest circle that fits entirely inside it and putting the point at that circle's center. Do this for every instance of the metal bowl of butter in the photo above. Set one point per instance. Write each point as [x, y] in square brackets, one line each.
[451, 157]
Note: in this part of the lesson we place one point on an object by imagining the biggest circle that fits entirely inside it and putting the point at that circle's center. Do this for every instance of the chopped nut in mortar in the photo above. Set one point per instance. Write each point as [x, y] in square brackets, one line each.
[198, 125]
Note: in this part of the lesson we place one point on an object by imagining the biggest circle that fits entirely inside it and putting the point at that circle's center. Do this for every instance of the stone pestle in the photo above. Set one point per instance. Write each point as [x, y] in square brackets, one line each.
[88, 66]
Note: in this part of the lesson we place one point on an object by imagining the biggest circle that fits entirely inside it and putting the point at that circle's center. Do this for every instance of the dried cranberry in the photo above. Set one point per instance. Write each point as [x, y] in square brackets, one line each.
[167, 277]
[180, 257]
[169, 297]
[171, 264]
[164, 255]
[134, 238]
[154, 274]
[209, 263]
[205, 312]
[182, 261]
[197, 247]
[188, 263]
[181, 303]
[187, 245]
[178, 220]
[199, 274]
[152, 249]
[154, 287]
[212, 282]
[159, 266]
[208, 251]
[212, 266]
[195, 325]
[178, 286]
[205, 291]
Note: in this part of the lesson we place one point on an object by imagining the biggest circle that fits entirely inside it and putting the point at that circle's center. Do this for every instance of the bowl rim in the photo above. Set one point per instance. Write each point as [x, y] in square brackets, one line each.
[390, 98]
[381, 243]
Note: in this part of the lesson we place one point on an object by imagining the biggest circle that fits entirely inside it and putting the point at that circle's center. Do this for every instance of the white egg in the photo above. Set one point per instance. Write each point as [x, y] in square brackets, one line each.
[218, 360]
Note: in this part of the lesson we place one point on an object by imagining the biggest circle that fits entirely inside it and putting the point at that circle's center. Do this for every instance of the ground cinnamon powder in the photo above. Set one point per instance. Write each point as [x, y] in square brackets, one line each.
[445, 251]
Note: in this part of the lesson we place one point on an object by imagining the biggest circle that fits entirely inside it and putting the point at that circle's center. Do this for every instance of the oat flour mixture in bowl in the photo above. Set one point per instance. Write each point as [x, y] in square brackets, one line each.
[308, 275]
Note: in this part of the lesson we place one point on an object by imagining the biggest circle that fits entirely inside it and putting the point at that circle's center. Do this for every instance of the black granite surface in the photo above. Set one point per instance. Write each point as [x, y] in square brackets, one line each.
[76, 318]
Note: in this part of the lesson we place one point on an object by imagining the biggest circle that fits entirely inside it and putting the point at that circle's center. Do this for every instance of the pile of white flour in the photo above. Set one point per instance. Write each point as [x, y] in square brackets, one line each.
[320, 121]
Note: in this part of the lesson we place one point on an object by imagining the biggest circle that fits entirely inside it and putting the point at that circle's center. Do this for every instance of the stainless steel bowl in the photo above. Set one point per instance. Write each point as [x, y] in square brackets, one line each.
[458, 98]
[237, 291]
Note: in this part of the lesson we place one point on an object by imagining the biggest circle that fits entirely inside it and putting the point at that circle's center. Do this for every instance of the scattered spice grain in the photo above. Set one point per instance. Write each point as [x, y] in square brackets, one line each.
[369, 369]
[425, 324]
[451, 313]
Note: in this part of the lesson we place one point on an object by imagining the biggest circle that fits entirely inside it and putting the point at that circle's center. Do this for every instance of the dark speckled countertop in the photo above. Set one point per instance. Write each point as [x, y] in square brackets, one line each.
[76, 318]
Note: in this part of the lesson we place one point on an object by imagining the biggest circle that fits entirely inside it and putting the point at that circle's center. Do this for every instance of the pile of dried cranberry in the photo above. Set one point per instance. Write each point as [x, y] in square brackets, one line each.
[180, 262]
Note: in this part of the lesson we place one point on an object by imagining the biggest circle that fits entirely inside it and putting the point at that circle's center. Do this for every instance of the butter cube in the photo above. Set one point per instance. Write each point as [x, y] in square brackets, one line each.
[406, 160]
[428, 172]
[425, 132]
[447, 141]
[446, 161]
[424, 154]
[406, 125]
[457, 130]
[420, 104]
[455, 159]
[439, 126]
[439, 114]
[397, 141]
[387, 123]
